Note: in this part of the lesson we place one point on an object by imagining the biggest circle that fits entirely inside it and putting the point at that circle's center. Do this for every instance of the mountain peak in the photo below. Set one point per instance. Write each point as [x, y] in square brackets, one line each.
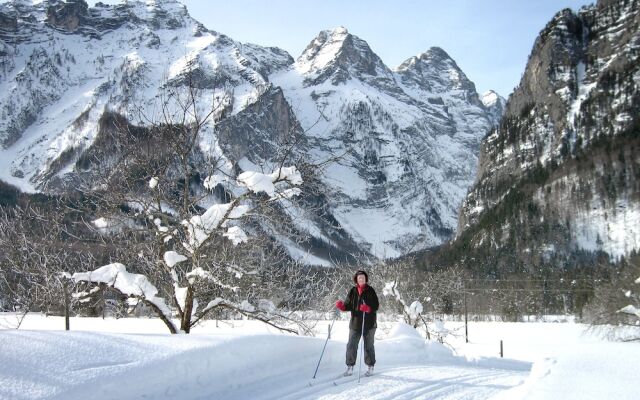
[490, 98]
[341, 30]
[323, 50]
[436, 52]
[436, 71]
[495, 104]
[433, 57]
[339, 55]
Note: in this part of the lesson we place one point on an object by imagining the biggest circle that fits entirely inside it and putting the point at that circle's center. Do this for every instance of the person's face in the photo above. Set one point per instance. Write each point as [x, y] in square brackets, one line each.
[361, 279]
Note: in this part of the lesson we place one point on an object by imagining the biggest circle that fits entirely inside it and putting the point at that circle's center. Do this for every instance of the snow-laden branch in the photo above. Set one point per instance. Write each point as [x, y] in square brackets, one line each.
[239, 272]
[153, 182]
[180, 294]
[265, 312]
[212, 181]
[171, 258]
[200, 227]
[201, 273]
[217, 219]
[630, 310]
[236, 235]
[258, 182]
[133, 285]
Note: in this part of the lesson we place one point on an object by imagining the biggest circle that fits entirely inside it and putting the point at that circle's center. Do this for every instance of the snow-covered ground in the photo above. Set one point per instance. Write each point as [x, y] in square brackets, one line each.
[137, 359]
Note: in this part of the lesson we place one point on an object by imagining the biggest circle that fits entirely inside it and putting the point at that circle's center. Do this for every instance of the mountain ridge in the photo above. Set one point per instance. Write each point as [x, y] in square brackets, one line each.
[408, 153]
[557, 180]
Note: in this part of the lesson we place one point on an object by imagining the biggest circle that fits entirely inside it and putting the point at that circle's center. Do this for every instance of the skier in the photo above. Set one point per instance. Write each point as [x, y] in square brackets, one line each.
[362, 301]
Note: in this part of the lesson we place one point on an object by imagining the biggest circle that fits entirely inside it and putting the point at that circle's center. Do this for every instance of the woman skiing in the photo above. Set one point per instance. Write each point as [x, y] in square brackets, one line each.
[362, 301]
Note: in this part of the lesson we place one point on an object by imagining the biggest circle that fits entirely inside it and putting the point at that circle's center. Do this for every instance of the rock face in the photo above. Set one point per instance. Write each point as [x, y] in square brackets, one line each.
[261, 130]
[398, 148]
[560, 174]
[67, 15]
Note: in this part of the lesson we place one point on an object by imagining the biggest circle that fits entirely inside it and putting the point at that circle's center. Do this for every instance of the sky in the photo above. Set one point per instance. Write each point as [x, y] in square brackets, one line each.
[490, 40]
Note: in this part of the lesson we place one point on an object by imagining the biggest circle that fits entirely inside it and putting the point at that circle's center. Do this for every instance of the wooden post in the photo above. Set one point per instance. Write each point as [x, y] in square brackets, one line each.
[104, 304]
[466, 329]
[66, 306]
[501, 350]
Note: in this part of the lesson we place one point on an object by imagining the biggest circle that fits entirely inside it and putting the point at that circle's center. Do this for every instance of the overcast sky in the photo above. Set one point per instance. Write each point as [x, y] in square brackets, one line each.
[489, 39]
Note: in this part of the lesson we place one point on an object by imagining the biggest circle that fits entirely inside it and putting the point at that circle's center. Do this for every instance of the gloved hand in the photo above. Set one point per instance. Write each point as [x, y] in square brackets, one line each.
[365, 308]
[340, 305]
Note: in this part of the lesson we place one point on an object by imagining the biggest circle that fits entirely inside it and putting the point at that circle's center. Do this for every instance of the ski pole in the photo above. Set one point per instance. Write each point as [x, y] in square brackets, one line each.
[325, 343]
[362, 352]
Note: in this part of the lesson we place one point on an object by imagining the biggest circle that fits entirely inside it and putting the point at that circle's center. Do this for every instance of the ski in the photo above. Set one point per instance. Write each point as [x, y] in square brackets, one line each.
[354, 378]
[344, 379]
[316, 382]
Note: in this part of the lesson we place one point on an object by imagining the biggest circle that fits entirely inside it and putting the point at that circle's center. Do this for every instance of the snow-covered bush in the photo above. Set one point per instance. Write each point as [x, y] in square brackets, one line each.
[632, 309]
[412, 313]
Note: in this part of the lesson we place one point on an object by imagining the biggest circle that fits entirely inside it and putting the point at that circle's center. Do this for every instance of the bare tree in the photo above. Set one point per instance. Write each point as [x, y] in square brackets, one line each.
[616, 302]
[38, 242]
[187, 214]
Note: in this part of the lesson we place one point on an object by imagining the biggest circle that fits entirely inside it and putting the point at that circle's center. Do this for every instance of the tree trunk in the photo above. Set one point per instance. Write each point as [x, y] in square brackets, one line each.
[185, 325]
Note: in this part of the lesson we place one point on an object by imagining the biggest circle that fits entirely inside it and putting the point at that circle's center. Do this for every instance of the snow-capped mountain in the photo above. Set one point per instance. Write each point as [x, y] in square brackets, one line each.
[63, 65]
[495, 104]
[403, 143]
[560, 173]
[406, 140]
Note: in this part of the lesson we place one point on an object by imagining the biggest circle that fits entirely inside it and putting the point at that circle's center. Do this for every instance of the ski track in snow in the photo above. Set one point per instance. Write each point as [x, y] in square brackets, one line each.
[249, 360]
[38, 364]
[419, 382]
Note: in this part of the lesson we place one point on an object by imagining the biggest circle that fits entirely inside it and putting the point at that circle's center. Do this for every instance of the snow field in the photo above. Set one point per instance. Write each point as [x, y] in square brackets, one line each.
[137, 359]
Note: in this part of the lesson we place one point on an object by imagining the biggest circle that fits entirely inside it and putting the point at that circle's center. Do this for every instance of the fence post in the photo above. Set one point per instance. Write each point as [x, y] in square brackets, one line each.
[466, 330]
[66, 305]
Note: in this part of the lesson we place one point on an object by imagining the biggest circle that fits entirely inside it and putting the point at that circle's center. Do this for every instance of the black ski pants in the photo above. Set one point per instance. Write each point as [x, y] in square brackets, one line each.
[369, 350]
